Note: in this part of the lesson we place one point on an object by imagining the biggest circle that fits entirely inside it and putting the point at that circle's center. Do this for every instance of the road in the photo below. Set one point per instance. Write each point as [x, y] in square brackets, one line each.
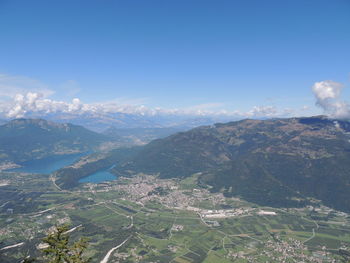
[109, 253]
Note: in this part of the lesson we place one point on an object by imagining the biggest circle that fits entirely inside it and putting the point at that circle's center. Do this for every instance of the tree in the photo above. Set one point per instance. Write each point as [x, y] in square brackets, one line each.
[60, 250]
[28, 260]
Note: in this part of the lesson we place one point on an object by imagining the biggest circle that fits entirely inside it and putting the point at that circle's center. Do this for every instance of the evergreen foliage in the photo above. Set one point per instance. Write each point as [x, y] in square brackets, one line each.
[61, 250]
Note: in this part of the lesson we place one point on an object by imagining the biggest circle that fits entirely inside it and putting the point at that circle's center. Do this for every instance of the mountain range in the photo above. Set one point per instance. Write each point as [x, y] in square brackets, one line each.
[277, 162]
[100, 122]
[140, 136]
[27, 139]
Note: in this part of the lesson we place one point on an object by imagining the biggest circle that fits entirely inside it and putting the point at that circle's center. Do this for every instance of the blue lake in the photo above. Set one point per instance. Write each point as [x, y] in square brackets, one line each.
[98, 177]
[52, 164]
[48, 165]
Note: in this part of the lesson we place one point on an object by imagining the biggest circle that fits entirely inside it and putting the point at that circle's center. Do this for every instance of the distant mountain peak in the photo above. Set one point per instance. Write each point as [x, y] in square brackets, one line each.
[26, 139]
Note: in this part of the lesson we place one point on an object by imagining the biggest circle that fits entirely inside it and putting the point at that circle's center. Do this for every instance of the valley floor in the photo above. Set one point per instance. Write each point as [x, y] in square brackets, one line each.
[146, 219]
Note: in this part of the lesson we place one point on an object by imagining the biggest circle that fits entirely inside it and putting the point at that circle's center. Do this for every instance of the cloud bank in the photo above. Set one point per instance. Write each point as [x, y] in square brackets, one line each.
[36, 104]
[328, 98]
[25, 97]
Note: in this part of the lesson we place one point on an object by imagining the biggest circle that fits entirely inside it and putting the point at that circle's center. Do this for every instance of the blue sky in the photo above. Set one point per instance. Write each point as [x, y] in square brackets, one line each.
[232, 55]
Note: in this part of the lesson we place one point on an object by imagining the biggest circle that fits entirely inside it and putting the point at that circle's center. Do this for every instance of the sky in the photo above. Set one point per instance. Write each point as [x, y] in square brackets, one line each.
[245, 58]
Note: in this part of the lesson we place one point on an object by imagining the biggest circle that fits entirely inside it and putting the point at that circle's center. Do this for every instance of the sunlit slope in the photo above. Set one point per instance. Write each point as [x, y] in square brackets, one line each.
[277, 162]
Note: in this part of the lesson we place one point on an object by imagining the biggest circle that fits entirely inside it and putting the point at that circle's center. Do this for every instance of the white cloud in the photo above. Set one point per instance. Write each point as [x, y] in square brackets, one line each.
[327, 89]
[35, 104]
[328, 97]
[25, 97]
[75, 106]
[263, 111]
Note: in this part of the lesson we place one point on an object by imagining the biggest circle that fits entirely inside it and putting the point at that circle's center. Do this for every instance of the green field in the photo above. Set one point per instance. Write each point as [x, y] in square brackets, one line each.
[157, 233]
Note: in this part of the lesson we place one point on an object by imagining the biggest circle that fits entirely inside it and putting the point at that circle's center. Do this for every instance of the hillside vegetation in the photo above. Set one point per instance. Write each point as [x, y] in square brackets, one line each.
[27, 139]
[280, 162]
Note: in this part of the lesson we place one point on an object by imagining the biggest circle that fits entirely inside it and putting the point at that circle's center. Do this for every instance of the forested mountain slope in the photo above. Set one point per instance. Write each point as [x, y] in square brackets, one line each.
[278, 162]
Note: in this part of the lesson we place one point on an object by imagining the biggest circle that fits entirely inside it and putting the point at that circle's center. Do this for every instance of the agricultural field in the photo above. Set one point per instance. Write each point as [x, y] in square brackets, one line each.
[146, 219]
